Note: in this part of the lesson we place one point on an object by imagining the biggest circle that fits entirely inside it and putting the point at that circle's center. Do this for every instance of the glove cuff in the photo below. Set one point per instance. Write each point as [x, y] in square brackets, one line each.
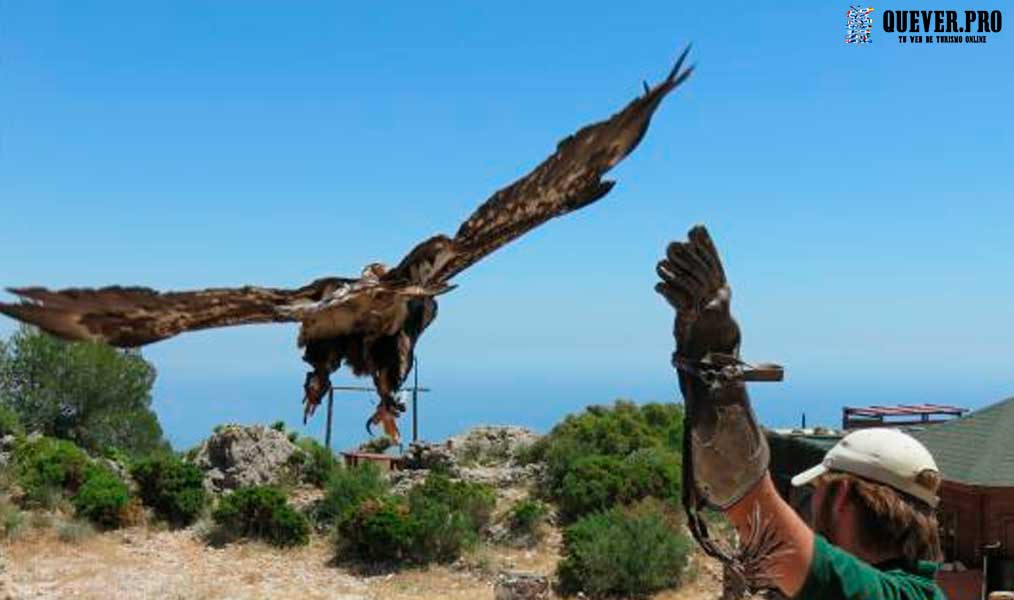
[730, 453]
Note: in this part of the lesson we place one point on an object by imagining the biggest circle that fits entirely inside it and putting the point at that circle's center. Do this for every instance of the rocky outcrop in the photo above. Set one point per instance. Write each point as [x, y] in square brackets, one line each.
[236, 456]
[520, 585]
[491, 445]
[427, 456]
[485, 454]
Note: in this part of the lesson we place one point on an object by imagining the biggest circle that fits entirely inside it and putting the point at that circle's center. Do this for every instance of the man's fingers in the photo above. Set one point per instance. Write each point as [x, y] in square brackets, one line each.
[680, 255]
[706, 247]
[670, 296]
[683, 279]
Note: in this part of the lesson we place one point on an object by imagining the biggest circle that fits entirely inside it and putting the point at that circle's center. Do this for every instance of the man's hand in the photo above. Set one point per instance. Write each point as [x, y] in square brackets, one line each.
[693, 282]
[725, 452]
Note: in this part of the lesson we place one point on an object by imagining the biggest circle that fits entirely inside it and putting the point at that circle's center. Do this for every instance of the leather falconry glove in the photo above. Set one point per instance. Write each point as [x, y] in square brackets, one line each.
[725, 451]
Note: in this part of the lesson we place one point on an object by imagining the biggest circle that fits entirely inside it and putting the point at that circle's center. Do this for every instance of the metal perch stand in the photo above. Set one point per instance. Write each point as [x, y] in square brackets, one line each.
[415, 389]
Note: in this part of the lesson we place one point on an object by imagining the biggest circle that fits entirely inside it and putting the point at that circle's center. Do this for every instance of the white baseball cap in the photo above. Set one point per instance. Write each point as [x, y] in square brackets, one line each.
[883, 455]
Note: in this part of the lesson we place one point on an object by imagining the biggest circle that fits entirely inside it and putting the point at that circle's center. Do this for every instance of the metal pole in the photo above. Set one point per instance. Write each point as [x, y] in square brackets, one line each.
[330, 410]
[415, 400]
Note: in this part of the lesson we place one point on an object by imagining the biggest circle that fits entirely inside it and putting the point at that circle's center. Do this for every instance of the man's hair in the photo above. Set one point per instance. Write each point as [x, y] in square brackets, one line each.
[890, 521]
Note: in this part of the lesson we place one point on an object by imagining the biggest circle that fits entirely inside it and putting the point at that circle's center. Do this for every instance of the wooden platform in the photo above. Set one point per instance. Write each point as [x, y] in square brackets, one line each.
[386, 462]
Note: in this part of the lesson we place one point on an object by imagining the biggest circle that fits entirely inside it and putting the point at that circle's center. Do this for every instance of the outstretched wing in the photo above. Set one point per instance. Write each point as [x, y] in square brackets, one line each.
[133, 316]
[568, 180]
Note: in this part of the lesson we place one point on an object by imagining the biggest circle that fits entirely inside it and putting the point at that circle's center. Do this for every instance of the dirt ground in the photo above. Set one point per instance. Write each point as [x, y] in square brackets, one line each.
[140, 563]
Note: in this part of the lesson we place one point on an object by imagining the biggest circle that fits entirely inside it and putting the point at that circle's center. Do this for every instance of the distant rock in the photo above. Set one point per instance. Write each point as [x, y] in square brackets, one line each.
[237, 456]
[428, 456]
[485, 454]
[520, 585]
[491, 445]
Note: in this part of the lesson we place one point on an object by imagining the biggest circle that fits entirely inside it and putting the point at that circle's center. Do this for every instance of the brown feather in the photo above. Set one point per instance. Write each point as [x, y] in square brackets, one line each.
[133, 316]
[568, 180]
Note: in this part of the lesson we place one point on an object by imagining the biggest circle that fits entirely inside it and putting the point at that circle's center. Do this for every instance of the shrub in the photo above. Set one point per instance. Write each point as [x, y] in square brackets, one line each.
[594, 483]
[599, 482]
[86, 392]
[48, 467]
[475, 501]
[440, 531]
[74, 532]
[117, 455]
[378, 529]
[608, 456]
[623, 552]
[11, 520]
[377, 445]
[525, 520]
[262, 512]
[347, 489]
[435, 522]
[278, 426]
[654, 472]
[317, 463]
[10, 423]
[102, 498]
[174, 488]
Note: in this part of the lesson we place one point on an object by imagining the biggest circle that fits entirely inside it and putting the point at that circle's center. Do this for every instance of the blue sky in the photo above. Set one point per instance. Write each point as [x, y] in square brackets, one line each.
[861, 196]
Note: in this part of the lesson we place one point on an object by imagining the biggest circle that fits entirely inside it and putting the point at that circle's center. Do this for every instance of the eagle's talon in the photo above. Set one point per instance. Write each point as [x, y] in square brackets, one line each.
[314, 388]
[388, 418]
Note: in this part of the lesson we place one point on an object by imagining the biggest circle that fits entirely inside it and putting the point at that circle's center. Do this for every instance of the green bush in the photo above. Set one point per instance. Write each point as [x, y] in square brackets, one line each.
[606, 456]
[262, 512]
[475, 501]
[102, 498]
[525, 519]
[599, 482]
[316, 463]
[379, 529]
[377, 445]
[593, 483]
[47, 468]
[278, 426]
[347, 489]
[10, 423]
[86, 392]
[440, 531]
[623, 552]
[436, 521]
[174, 488]
[12, 520]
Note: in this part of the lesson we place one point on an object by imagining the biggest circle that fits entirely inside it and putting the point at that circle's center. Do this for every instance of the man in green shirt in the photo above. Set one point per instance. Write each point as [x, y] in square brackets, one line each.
[874, 531]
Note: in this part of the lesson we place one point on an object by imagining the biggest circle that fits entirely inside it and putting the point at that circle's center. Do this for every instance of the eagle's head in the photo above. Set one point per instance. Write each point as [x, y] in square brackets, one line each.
[374, 271]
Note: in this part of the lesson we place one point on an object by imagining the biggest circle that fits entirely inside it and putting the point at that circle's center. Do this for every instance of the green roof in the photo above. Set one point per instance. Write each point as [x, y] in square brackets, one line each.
[976, 449]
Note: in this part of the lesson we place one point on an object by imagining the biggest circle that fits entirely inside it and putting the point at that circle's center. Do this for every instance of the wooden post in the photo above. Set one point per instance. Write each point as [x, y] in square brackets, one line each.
[330, 410]
[415, 400]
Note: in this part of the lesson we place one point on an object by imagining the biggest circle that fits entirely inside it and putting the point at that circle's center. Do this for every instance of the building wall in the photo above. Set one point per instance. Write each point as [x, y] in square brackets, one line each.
[999, 522]
[962, 505]
[981, 516]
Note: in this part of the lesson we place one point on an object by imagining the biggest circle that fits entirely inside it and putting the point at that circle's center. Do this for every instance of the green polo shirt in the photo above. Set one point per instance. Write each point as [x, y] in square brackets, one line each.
[837, 575]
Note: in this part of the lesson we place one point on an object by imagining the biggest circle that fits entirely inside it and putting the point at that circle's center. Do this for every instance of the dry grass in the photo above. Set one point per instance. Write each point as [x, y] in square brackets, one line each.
[146, 563]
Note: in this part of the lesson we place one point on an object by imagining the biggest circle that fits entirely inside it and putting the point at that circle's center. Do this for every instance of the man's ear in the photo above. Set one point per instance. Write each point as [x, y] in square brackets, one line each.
[842, 491]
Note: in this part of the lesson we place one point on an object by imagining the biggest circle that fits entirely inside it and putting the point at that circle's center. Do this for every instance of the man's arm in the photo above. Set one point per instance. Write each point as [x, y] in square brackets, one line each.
[728, 454]
[788, 568]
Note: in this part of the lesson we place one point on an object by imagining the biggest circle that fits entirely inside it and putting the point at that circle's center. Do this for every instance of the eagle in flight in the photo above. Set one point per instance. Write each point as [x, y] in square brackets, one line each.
[370, 323]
